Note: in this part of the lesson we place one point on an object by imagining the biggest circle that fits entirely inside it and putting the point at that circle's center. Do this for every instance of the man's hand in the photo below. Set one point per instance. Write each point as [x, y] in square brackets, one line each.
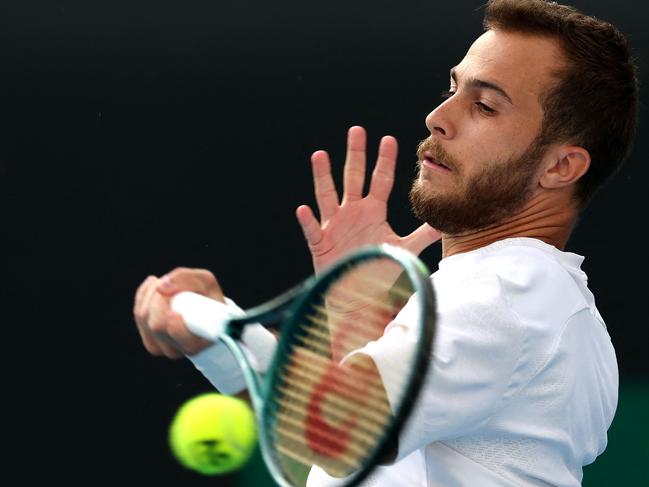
[162, 330]
[359, 220]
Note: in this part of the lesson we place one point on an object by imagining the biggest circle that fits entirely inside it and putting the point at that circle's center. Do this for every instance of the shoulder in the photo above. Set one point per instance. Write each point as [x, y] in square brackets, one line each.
[527, 274]
[513, 298]
[534, 282]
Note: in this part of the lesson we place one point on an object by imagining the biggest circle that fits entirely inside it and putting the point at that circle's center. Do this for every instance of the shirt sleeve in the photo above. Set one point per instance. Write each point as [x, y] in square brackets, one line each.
[476, 352]
[219, 365]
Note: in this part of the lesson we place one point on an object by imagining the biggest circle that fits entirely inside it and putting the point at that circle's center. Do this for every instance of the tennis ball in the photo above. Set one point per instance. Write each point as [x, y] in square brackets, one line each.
[213, 434]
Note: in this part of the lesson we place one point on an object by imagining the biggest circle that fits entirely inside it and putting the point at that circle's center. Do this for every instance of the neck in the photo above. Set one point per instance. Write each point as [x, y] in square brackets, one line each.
[547, 216]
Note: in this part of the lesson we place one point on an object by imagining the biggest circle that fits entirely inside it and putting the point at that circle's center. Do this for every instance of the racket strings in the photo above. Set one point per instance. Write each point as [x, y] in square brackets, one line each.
[294, 414]
[339, 407]
[339, 469]
[344, 430]
[364, 327]
[354, 448]
[326, 413]
[313, 336]
[367, 288]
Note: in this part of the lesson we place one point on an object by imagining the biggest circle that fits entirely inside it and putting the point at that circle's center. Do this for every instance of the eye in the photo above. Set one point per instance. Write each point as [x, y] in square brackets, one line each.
[484, 108]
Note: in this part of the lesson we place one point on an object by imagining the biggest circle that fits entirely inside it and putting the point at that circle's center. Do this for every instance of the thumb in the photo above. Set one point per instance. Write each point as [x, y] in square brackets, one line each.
[200, 281]
[421, 238]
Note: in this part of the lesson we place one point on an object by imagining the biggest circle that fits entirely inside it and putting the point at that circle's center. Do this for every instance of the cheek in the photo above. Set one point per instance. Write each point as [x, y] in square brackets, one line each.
[494, 142]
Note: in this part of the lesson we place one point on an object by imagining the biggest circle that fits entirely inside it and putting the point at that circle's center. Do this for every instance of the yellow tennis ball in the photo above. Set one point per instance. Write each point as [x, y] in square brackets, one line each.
[213, 434]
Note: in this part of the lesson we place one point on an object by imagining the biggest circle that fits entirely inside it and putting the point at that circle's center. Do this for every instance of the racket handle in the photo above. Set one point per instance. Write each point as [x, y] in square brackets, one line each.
[203, 316]
[207, 318]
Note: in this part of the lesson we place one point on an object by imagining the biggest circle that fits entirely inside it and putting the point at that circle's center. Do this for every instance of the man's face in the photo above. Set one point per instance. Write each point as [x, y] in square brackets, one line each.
[484, 134]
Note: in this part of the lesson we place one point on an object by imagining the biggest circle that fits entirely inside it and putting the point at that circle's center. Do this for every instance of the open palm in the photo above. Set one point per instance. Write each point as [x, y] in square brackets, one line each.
[358, 220]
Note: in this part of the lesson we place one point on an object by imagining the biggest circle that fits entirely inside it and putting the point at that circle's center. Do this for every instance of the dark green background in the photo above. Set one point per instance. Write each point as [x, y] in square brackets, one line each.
[142, 135]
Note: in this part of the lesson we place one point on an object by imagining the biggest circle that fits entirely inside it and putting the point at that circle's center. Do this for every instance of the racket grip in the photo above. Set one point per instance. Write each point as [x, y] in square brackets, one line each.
[203, 316]
[207, 318]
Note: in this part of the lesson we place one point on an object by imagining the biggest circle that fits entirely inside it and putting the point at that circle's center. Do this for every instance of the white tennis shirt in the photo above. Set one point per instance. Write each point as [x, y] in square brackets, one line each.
[523, 381]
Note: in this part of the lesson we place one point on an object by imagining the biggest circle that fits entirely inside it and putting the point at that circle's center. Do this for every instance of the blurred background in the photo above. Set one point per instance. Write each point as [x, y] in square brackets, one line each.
[142, 135]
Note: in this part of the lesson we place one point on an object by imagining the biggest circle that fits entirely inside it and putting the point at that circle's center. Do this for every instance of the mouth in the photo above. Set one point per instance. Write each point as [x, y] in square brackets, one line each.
[430, 161]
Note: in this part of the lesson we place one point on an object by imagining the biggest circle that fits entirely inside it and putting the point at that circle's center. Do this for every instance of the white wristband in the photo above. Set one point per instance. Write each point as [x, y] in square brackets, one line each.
[218, 365]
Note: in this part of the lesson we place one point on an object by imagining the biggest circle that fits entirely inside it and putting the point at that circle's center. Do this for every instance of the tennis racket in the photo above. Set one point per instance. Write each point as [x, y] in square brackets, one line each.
[319, 403]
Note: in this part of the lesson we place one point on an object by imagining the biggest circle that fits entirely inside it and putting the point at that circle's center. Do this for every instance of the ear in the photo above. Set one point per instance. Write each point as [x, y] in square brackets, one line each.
[566, 164]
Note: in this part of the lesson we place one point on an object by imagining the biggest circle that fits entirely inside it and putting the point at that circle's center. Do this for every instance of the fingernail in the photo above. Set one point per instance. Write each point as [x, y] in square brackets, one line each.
[165, 282]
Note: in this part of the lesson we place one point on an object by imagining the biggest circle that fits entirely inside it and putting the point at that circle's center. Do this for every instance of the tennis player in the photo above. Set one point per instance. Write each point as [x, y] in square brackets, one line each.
[539, 114]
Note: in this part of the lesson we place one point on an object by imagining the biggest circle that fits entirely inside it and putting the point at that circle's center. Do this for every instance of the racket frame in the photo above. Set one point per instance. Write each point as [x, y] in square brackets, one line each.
[284, 311]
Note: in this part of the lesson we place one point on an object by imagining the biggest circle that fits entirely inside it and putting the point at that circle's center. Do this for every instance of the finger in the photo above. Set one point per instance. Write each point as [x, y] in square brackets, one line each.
[145, 306]
[355, 162]
[169, 349]
[310, 225]
[143, 320]
[323, 183]
[151, 343]
[199, 281]
[162, 325]
[189, 343]
[421, 238]
[141, 292]
[383, 174]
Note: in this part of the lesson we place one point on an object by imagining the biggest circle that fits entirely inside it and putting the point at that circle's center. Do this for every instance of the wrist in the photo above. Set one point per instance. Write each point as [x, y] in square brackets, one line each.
[218, 364]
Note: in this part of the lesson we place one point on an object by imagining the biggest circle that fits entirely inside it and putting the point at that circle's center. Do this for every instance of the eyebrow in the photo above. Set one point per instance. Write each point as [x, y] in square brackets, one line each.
[478, 83]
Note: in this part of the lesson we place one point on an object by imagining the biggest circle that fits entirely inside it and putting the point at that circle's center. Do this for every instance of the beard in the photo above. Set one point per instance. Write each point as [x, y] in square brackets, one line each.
[483, 200]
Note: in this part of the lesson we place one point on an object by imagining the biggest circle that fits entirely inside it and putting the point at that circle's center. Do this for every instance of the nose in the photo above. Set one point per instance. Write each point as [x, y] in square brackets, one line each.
[440, 123]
